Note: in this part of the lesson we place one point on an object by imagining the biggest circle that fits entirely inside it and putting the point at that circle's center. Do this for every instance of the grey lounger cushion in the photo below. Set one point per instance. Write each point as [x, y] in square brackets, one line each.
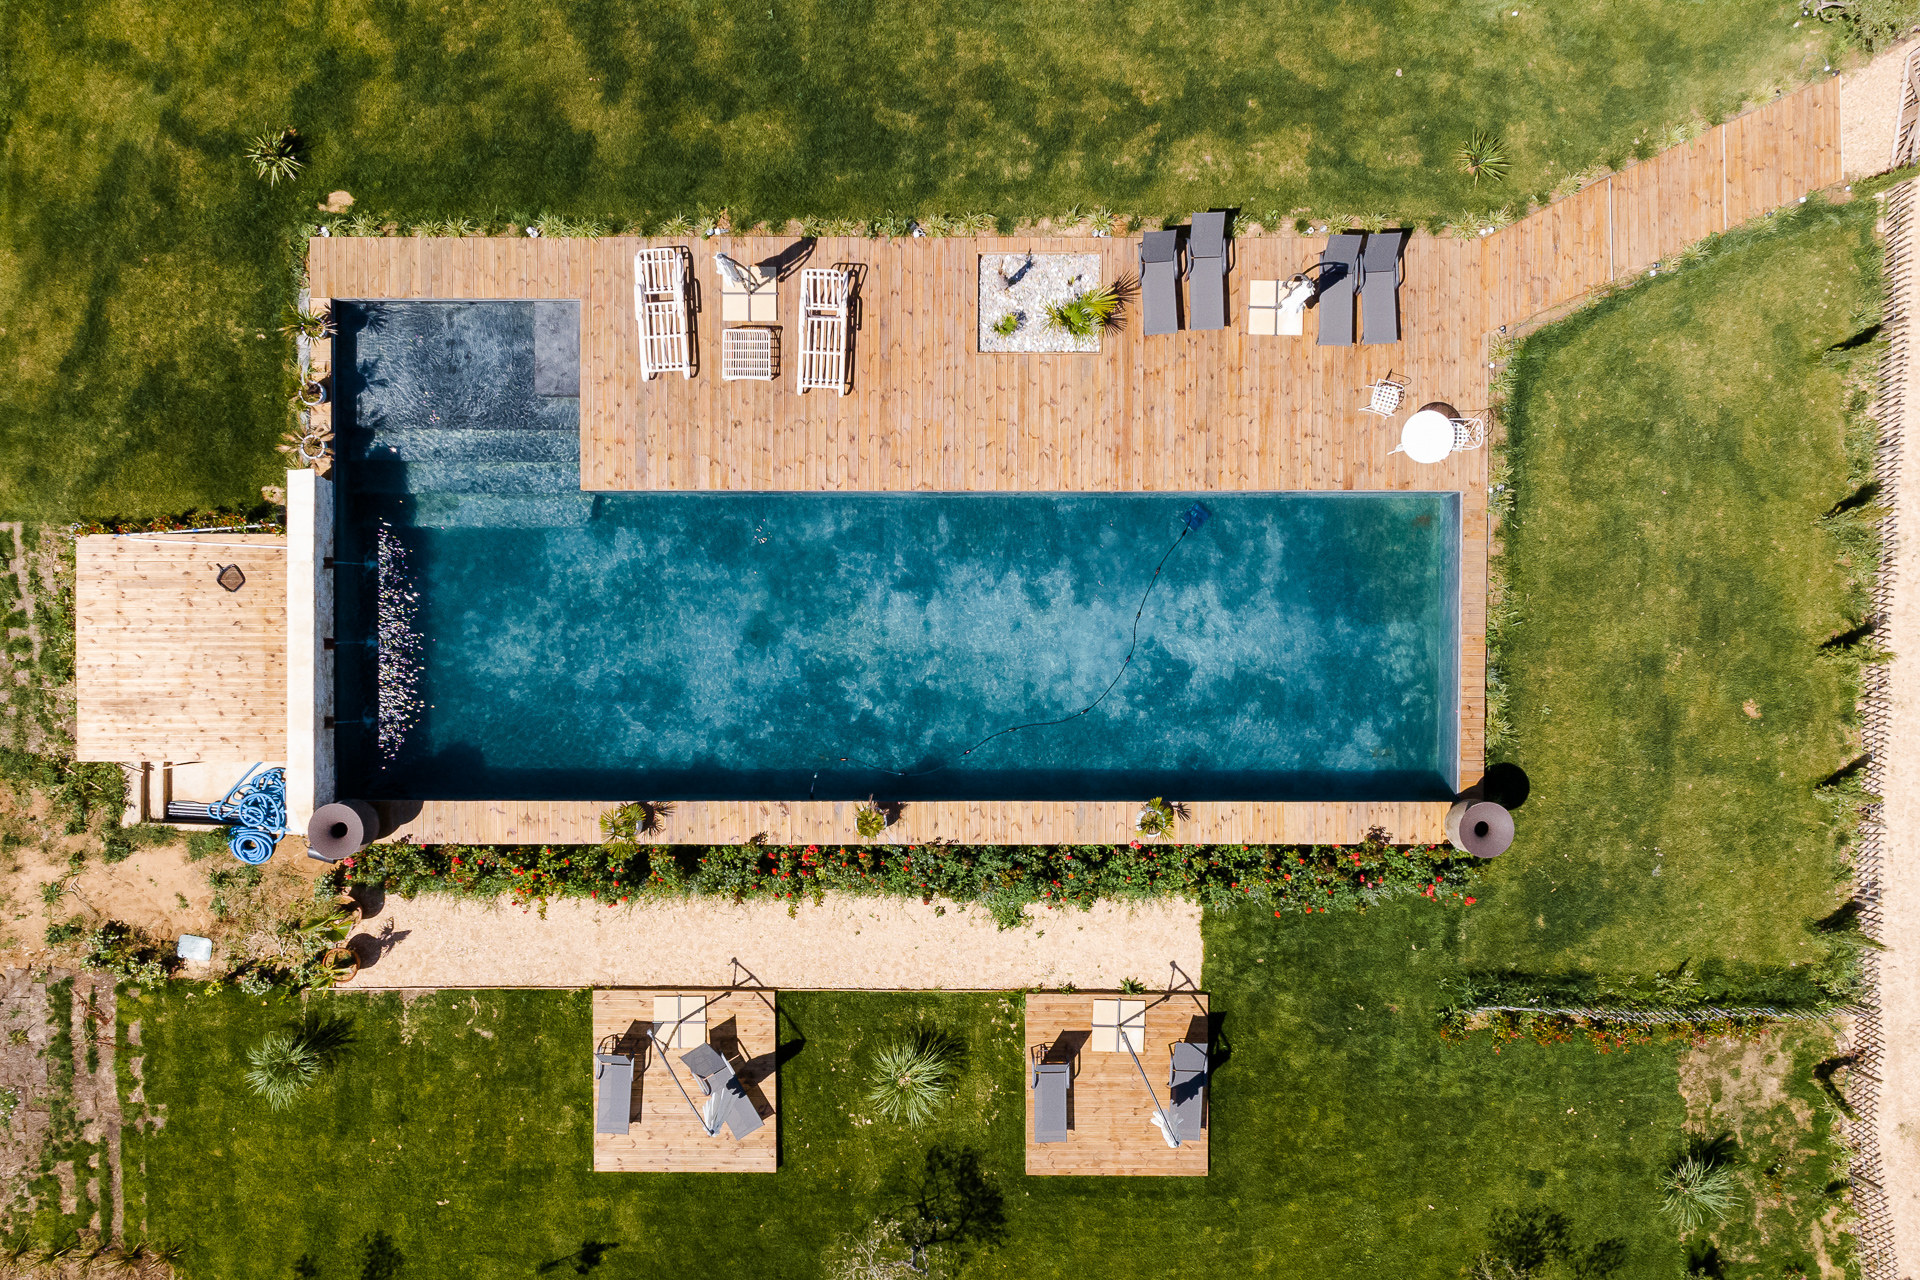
[728, 1102]
[1050, 1083]
[1207, 272]
[1339, 275]
[1187, 1086]
[1380, 287]
[614, 1071]
[1160, 282]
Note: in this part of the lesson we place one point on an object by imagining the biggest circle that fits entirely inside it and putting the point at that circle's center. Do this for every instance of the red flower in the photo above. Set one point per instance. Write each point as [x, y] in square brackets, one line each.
[1470, 901]
[1136, 844]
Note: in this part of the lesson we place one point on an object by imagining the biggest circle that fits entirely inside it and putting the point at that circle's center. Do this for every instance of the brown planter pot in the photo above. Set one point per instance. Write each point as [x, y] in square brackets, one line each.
[344, 962]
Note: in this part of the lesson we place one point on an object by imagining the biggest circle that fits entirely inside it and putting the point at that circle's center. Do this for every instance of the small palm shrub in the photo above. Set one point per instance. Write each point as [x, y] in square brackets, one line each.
[286, 1062]
[282, 1065]
[1484, 156]
[910, 1080]
[1087, 313]
[1156, 818]
[1696, 1188]
[275, 156]
[869, 821]
[1006, 324]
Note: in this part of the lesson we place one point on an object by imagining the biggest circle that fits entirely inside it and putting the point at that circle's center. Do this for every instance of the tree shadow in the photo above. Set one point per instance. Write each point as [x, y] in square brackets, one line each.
[380, 1258]
[953, 1201]
[328, 1033]
[582, 1261]
[1715, 1152]
[1703, 1259]
[1528, 1239]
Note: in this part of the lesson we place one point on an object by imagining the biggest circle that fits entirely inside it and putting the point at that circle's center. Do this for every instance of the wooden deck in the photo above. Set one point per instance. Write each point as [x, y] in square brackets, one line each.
[666, 1136]
[169, 665]
[1109, 1112]
[964, 822]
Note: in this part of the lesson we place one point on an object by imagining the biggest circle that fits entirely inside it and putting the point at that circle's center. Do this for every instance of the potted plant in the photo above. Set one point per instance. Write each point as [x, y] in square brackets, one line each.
[1156, 818]
[314, 390]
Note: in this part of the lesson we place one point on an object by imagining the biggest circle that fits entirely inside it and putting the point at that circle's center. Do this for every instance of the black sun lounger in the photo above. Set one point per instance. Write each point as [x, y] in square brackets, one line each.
[727, 1101]
[1187, 1087]
[1050, 1083]
[1160, 282]
[1207, 272]
[1339, 275]
[614, 1071]
[1380, 287]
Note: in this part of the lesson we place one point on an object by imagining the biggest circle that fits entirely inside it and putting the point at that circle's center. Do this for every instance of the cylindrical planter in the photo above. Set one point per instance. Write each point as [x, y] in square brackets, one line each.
[1479, 827]
[341, 829]
[344, 962]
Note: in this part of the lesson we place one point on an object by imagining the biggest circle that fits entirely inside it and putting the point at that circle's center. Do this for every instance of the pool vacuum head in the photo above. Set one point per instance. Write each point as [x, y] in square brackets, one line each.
[1197, 515]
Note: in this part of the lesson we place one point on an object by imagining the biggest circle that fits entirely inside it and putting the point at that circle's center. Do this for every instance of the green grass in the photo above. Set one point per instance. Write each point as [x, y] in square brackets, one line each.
[1674, 451]
[143, 266]
[1348, 1138]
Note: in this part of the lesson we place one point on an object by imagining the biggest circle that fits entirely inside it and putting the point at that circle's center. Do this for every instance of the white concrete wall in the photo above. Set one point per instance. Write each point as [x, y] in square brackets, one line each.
[310, 762]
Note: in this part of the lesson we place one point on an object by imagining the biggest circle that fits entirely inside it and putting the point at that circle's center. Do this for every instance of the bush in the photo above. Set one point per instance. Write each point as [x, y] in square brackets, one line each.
[1697, 1187]
[120, 949]
[286, 1062]
[911, 1079]
[60, 934]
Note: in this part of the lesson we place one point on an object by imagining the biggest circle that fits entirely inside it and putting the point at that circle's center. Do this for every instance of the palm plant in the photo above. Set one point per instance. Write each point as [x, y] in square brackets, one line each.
[1484, 156]
[1085, 314]
[1697, 1187]
[309, 323]
[910, 1079]
[275, 156]
[283, 1065]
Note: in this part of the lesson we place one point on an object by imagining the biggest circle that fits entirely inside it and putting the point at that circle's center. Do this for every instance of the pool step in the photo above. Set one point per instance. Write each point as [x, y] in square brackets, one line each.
[463, 446]
[465, 476]
[502, 511]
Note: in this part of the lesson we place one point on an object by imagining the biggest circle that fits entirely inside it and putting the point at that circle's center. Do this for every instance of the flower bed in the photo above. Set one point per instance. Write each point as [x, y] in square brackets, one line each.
[1004, 879]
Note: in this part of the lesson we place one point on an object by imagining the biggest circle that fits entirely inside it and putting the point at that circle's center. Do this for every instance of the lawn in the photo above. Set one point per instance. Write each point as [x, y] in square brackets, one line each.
[1348, 1139]
[144, 269]
[1674, 453]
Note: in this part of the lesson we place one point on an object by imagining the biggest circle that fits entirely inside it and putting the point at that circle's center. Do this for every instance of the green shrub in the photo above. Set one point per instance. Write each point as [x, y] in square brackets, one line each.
[280, 1067]
[1087, 313]
[66, 931]
[909, 1080]
[1697, 1187]
[869, 821]
[204, 844]
[1006, 324]
[120, 949]
[1156, 818]
[275, 157]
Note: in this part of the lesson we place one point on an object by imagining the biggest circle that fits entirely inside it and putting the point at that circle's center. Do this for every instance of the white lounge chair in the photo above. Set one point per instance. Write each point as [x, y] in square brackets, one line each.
[823, 329]
[660, 308]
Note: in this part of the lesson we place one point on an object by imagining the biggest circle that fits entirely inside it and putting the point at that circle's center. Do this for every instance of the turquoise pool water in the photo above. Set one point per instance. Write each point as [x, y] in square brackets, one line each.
[781, 646]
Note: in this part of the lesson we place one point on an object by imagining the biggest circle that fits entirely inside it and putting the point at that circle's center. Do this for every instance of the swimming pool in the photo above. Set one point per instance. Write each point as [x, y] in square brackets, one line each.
[541, 643]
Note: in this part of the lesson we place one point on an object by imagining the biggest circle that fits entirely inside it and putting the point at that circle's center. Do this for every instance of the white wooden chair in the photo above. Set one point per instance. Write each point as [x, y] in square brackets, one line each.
[1384, 397]
[1469, 433]
[660, 309]
[823, 329]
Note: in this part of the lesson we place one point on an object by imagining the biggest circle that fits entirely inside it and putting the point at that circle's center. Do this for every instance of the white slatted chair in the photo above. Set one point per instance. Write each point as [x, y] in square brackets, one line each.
[823, 329]
[660, 309]
[1469, 433]
[1384, 397]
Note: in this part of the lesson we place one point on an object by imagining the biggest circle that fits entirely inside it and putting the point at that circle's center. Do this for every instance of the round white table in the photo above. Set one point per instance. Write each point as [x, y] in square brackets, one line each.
[1427, 436]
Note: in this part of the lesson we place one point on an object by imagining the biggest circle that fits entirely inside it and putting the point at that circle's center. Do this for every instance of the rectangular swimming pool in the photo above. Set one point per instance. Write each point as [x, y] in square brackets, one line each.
[517, 639]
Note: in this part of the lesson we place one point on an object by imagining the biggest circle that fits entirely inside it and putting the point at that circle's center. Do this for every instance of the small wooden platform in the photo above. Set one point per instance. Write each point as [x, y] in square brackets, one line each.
[1110, 1127]
[666, 1136]
[169, 664]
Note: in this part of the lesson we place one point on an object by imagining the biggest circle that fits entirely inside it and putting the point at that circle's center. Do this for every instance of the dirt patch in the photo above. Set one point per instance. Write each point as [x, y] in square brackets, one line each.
[1869, 105]
[60, 1149]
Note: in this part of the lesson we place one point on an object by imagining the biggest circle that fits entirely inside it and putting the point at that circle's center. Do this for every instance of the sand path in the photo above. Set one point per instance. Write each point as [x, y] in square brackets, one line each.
[1869, 100]
[1899, 964]
[847, 942]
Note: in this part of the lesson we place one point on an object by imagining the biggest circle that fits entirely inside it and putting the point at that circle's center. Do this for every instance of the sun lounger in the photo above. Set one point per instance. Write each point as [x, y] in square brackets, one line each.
[1380, 287]
[727, 1100]
[614, 1071]
[660, 308]
[1186, 1088]
[1207, 272]
[1160, 281]
[823, 329]
[1050, 1083]
[1339, 276]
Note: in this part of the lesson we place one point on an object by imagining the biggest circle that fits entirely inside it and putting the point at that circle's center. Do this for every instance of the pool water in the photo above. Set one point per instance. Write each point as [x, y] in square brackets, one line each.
[782, 646]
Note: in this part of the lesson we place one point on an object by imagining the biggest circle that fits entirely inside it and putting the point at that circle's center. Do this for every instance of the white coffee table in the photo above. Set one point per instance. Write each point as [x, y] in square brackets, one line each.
[1427, 436]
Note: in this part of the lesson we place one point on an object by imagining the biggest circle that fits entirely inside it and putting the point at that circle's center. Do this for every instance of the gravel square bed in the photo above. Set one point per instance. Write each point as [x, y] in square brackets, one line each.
[1053, 278]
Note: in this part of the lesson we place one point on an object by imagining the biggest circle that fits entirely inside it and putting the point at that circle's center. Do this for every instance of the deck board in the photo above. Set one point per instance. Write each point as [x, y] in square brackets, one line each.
[1110, 1129]
[666, 1136]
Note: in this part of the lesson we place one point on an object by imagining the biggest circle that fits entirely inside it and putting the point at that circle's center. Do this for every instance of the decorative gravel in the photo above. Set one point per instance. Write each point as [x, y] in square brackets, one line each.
[1055, 277]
